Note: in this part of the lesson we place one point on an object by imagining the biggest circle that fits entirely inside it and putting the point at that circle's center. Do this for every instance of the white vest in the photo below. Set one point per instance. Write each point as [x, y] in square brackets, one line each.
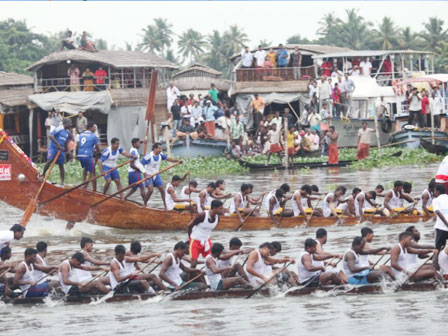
[153, 166]
[259, 267]
[430, 198]
[203, 230]
[443, 262]
[207, 202]
[303, 273]
[267, 199]
[71, 277]
[345, 264]
[213, 278]
[27, 276]
[303, 202]
[173, 272]
[395, 201]
[39, 274]
[326, 206]
[133, 151]
[184, 195]
[123, 272]
[243, 204]
[168, 198]
[366, 205]
[83, 275]
[111, 161]
[403, 260]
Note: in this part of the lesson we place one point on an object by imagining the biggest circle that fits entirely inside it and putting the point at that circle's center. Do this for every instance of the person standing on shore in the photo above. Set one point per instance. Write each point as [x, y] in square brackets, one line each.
[333, 146]
[364, 141]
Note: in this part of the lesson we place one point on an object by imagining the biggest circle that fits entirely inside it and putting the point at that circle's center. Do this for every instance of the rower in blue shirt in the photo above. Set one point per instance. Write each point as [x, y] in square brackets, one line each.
[108, 161]
[136, 169]
[87, 145]
[152, 162]
[59, 137]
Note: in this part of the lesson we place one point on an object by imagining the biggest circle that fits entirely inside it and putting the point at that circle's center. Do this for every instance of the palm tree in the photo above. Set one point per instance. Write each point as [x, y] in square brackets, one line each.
[171, 57]
[434, 33]
[329, 25]
[151, 40]
[441, 59]
[386, 36]
[191, 43]
[164, 33]
[297, 39]
[214, 57]
[354, 33]
[234, 39]
[265, 43]
[407, 38]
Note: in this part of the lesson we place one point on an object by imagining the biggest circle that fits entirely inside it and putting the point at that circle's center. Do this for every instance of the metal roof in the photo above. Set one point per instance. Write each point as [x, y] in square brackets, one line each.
[368, 53]
[114, 58]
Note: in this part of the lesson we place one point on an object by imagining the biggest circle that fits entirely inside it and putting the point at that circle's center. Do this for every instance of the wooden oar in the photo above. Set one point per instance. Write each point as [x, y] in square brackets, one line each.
[32, 205]
[134, 184]
[7, 270]
[388, 259]
[305, 224]
[405, 209]
[250, 214]
[96, 277]
[188, 282]
[45, 276]
[84, 183]
[269, 280]
[245, 261]
[418, 269]
[378, 261]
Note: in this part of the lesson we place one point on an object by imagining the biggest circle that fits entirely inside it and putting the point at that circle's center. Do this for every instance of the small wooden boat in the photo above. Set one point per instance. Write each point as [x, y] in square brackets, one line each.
[411, 138]
[197, 148]
[278, 166]
[439, 147]
[19, 183]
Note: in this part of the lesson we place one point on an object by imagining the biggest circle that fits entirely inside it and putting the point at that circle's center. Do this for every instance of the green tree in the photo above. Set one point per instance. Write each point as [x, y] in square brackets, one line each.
[408, 39]
[354, 32]
[297, 39]
[434, 33]
[387, 34]
[265, 43]
[101, 44]
[191, 44]
[234, 40]
[164, 33]
[329, 26]
[170, 56]
[150, 40]
[441, 59]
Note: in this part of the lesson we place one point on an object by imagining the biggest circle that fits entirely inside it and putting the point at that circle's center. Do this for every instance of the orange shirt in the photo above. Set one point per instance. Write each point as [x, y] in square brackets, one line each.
[258, 104]
[273, 58]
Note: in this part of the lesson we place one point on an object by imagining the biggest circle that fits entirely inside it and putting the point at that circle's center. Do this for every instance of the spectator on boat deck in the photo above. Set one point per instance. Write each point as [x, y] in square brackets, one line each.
[387, 67]
[304, 122]
[323, 92]
[415, 107]
[213, 93]
[81, 122]
[260, 56]
[235, 152]
[247, 58]
[100, 75]
[295, 61]
[366, 67]
[336, 101]
[184, 130]
[333, 146]
[426, 117]
[349, 87]
[257, 105]
[335, 74]
[86, 44]
[201, 129]
[237, 130]
[73, 72]
[175, 116]
[272, 57]
[326, 68]
[267, 66]
[282, 57]
[316, 141]
[381, 107]
[355, 72]
[56, 119]
[364, 135]
[436, 107]
[314, 120]
[68, 42]
[172, 93]
[196, 113]
[88, 77]
[325, 117]
[277, 120]
[209, 113]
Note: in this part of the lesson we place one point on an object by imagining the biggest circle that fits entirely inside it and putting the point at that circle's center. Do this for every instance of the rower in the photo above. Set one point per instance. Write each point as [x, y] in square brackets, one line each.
[172, 267]
[172, 201]
[392, 200]
[41, 248]
[413, 258]
[226, 259]
[132, 259]
[14, 233]
[406, 196]
[108, 161]
[348, 205]
[365, 205]
[301, 202]
[400, 260]
[69, 283]
[24, 276]
[5, 282]
[285, 275]
[121, 279]
[331, 202]
[310, 274]
[379, 189]
[152, 162]
[367, 235]
[320, 256]
[135, 169]
[284, 187]
[427, 197]
[355, 272]
[187, 191]
[256, 269]
[241, 202]
[440, 207]
[277, 203]
[200, 229]
[219, 191]
[87, 145]
[204, 199]
[213, 272]
[83, 274]
[443, 262]
[59, 137]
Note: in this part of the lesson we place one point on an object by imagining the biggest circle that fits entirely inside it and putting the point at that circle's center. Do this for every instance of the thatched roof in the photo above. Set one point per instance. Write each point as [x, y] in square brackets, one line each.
[135, 97]
[15, 97]
[305, 49]
[13, 79]
[198, 67]
[201, 83]
[113, 58]
[267, 87]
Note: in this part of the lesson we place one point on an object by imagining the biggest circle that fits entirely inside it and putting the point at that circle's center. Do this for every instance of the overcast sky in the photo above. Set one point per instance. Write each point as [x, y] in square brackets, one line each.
[120, 22]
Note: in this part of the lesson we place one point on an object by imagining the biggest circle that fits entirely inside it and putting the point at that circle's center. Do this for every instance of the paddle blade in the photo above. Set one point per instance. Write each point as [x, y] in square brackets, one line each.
[32, 205]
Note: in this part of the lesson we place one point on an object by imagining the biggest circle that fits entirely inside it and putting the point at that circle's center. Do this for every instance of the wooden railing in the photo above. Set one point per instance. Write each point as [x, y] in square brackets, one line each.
[275, 74]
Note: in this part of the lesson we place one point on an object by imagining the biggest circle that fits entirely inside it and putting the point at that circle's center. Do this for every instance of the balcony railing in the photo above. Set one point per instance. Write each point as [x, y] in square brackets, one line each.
[274, 74]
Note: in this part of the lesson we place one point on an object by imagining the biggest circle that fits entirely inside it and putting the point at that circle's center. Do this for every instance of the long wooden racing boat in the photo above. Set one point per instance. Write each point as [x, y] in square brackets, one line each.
[278, 166]
[422, 286]
[19, 182]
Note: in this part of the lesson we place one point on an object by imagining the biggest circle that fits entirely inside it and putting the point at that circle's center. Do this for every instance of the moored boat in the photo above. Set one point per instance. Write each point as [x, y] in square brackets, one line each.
[411, 138]
[278, 166]
[197, 148]
[20, 183]
[439, 147]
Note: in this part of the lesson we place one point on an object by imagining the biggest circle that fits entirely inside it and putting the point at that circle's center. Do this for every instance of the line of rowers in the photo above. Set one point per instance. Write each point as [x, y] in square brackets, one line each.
[221, 271]
[358, 203]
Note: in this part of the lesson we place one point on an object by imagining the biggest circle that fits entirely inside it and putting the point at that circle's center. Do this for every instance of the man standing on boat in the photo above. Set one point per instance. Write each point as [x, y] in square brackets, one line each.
[333, 146]
[59, 138]
[364, 141]
[108, 161]
[136, 169]
[257, 105]
[200, 229]
[87, 145]
[152, 162]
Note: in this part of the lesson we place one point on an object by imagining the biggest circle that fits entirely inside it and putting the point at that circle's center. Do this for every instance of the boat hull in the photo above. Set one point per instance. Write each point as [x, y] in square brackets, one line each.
[259, 166]
[76, 205]
[198, 148]
[412, 137]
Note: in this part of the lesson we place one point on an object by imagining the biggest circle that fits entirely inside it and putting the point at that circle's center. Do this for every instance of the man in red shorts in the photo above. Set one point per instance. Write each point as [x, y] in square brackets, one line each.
[200, 229]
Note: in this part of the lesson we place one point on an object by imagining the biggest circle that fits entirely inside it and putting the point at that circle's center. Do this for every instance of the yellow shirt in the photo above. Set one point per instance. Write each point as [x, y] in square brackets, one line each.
[258, 104]
[273, 58]
[291, 137]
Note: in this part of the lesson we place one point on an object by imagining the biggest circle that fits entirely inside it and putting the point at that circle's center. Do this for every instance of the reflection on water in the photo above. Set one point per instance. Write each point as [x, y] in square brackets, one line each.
[320, 313]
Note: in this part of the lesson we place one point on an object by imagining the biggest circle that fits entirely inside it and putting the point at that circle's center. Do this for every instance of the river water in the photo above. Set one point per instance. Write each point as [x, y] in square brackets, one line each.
[399, 313]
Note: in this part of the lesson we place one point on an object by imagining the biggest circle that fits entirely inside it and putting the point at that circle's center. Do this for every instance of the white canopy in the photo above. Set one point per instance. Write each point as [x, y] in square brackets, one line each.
[367, 87]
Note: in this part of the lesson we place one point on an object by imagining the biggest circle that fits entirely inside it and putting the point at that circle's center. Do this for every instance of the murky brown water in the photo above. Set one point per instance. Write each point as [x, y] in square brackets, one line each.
[388, 314]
